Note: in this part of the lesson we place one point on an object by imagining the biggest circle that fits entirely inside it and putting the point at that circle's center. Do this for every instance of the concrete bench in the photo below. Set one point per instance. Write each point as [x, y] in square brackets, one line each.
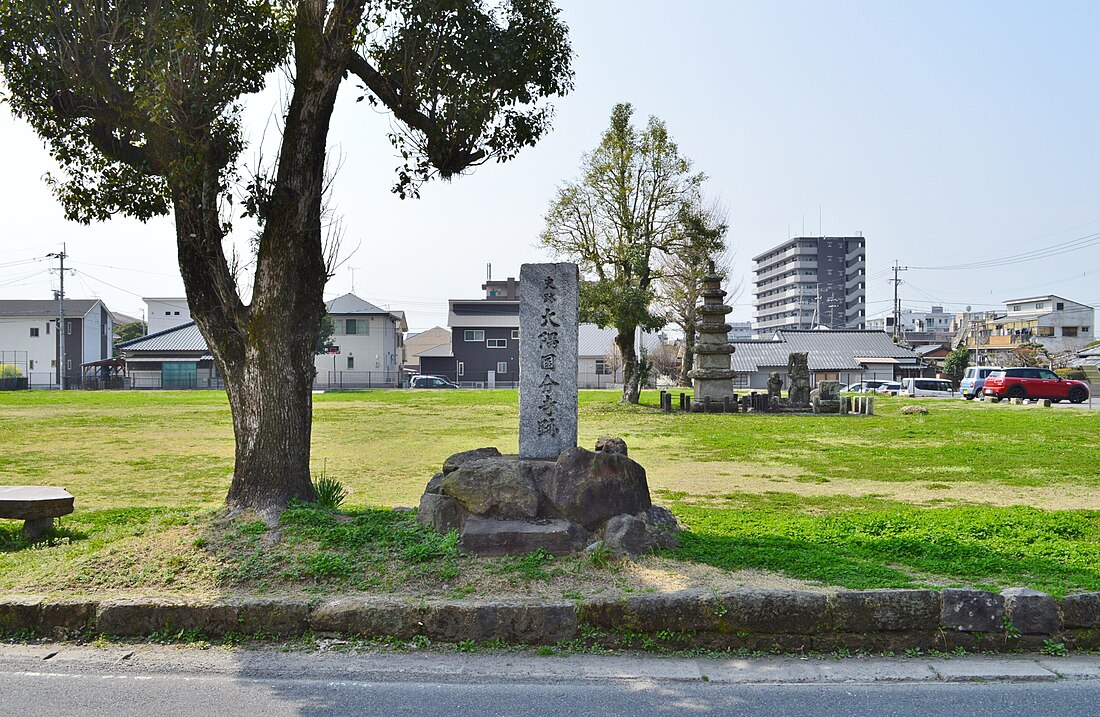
[35, 505]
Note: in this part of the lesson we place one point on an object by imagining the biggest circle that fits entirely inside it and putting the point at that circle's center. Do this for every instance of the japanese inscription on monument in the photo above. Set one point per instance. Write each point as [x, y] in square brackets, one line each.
[548, 301]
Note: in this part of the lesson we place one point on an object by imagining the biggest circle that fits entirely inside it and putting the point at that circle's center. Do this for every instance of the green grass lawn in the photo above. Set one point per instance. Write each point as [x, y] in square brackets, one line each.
[970, 494]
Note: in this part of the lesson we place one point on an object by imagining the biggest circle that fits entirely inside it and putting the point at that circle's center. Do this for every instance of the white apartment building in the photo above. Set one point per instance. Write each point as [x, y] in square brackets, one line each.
[29, 340]
[934, 321]
[810, 282]
[1053, 321]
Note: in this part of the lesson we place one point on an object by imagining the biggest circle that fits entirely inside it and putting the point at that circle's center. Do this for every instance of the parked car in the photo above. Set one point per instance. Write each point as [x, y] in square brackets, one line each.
[934, 387]
[863, 386]
[890, 388]
[972, 381]
[430, 382]
[1034, 383]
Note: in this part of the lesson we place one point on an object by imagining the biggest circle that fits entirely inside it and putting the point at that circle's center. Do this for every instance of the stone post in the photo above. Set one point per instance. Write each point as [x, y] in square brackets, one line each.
[548, 317]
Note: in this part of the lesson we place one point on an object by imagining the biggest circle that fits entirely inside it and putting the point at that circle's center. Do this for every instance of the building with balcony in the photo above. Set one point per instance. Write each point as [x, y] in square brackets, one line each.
[810, 282]
[1058, 324]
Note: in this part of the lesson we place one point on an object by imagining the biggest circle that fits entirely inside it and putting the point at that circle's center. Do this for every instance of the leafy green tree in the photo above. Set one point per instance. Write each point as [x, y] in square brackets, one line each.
[956, 363]
[140, 105]
[128, 331]
[8, 370]
[324, 339]
[615, 219]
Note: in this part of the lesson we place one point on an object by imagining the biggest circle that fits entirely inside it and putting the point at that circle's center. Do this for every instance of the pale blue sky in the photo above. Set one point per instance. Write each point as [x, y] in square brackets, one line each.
[946, 132]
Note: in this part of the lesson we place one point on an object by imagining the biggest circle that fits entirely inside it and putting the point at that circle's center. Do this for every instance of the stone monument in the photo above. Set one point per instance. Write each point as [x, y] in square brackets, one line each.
[553, 495]
[798, 371]
[826, 397]
[548, 320]
[712, 377]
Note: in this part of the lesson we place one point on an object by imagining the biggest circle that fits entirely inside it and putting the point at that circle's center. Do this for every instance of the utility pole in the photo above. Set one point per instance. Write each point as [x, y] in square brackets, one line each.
[60, 256]
[897, 305]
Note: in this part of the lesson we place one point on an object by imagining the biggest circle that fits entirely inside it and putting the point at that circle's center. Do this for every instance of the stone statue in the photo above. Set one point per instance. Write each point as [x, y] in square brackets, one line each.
[827, 398]
[798, 369]
[775, 386]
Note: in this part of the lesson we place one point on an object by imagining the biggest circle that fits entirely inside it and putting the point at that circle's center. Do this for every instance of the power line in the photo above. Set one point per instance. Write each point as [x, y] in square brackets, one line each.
[1043, 253]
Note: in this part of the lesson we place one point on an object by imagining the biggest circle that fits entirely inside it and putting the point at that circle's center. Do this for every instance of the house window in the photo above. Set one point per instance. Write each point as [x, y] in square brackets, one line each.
[502, 367]
[167, 313]
[1039, 305]
[474, 335]
[1060, 306]
[351, 363]
[461, 368]
[34, 332]
[1044, 331]
[1017, 307]
[69, 365]
[31, 364]
[497, 343]
[602, 369]
[47, 328]
[68, 327]
[1069, 331]
[351, 326]
[53, 363]
[515, 334]
[1084, 329]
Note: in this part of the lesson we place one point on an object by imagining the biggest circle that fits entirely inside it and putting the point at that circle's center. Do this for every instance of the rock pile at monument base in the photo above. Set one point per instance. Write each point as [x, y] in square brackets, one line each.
[507, 505]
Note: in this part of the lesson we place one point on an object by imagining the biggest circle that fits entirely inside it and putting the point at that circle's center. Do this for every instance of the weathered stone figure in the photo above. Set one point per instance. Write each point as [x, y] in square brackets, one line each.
[798, 371]
[775, 388]
[827, 398]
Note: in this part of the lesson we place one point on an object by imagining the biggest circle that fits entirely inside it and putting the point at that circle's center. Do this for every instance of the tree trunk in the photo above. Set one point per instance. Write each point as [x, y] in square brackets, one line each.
[265, 350]
[625, 341]
[689, 352]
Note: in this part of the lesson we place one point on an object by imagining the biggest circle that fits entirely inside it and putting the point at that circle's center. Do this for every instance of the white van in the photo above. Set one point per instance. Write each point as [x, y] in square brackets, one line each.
[936, 387]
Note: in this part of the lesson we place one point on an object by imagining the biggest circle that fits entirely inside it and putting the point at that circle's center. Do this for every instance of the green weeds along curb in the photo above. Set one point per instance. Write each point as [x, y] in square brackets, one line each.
[888, 620]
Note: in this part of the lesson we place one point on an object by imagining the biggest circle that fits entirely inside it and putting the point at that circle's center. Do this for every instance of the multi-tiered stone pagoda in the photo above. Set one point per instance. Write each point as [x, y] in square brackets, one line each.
[712, 377]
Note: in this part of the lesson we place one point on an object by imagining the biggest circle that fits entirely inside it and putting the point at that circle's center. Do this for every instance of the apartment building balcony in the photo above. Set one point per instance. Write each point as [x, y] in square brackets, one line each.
[779, 269]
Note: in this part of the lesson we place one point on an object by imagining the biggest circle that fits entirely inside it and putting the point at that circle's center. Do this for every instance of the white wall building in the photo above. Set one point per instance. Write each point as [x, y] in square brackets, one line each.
[934, 321]
[166, 313]
[370, 341]
[29, 340]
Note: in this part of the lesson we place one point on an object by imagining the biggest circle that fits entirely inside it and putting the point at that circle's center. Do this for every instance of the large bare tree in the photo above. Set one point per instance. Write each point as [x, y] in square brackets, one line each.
[702, 233]
[139, 103]
[615, 219]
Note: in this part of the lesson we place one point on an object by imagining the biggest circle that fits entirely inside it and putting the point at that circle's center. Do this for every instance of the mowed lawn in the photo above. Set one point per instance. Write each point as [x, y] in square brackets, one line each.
[974, 494]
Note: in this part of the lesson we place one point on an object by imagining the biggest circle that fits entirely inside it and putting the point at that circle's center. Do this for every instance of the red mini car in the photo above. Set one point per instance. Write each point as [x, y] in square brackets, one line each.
[1034, 383]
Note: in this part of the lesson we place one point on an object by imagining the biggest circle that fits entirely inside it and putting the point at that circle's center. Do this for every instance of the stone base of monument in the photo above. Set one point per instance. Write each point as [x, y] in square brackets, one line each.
[507, 505]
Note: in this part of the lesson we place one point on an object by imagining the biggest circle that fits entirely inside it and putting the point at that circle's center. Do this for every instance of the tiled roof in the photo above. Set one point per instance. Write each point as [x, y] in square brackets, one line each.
[352, 304]
[45, 307]
[185, 337]
[828, 350]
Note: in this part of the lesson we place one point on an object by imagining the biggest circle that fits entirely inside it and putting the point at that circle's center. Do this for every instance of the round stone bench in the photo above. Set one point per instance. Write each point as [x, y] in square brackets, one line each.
[35, 505]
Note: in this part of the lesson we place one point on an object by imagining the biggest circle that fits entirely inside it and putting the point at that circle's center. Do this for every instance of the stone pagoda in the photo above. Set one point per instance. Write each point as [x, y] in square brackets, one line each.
[712, 377]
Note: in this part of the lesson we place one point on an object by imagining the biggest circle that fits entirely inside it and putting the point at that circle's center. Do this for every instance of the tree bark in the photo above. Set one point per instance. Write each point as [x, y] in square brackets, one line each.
[689, 352]
[625, 341]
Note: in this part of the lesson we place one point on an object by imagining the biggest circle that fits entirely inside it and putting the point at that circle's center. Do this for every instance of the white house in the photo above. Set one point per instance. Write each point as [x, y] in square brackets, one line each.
[166, 313]
[29, 340]
[598, 362]
[1053, 321]
[367, 346]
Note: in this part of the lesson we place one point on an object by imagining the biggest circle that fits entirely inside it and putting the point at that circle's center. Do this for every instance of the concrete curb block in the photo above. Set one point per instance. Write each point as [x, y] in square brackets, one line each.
[745, 618]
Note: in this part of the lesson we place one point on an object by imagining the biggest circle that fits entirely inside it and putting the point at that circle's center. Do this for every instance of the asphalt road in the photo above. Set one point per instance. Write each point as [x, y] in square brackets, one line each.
[157, 681]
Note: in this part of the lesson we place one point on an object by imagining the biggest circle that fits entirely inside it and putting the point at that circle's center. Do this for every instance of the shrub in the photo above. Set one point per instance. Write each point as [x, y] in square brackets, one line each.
[1074, 374]
[330, 492]
[9, 371]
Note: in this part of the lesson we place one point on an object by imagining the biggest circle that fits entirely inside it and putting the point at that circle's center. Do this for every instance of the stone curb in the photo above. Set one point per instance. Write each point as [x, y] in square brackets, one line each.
[897, 620]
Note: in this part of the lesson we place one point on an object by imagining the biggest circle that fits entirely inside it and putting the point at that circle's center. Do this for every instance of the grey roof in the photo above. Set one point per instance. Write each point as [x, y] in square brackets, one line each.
[45, 307]
[927, 349]
[594, 341]
[120, 318]
[440, 351]
[185, 337]
[352, 304]
[828, 350]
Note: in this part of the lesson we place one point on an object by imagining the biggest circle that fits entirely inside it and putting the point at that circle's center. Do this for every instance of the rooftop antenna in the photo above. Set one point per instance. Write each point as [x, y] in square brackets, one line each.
[353, 269]
[819, 233]
[489, 271]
